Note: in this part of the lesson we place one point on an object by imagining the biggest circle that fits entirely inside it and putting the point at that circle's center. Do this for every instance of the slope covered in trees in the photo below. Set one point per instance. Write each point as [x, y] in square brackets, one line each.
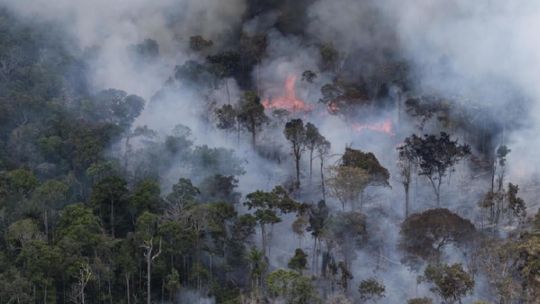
[253, 152]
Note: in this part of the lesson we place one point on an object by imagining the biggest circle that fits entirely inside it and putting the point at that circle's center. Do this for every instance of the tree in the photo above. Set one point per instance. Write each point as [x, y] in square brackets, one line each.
[22, 181]
[312, 140]
[78, 230]
[371, 290]
[39, 262]
[349, 231]
[110, 193]
[309, 76]
[378, 175]
[299, 261]
[347, 184]
[147, 228]
[516, 204]
[198, 43]
[14, 288]
[405, 166]
[173, 283]
[323, 149]
[426, 234]
[291, 287]
[420, 301]
[318, 220]
[219, 188]
[116, 107]
[251, 115]
[354, 174]
[434, 156]
[227, 118]
[254, 48]
[295, 133]
[267, 205]
[329, 56]
[78, 292]
[224, 65]
[183, 192]
[257, 266]
[50, 196]
[22, 232]
[450, 282]
[146, 196]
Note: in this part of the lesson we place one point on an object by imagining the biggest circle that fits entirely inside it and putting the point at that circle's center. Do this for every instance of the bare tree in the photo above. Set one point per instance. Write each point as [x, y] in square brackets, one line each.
[148, 246]
[78, 290]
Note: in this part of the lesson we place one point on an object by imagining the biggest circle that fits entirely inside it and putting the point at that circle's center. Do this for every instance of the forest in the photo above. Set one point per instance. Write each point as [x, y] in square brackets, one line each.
[269, 151]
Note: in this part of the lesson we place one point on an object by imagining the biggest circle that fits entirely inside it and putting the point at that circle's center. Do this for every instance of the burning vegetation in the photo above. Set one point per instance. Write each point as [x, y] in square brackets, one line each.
[289, 100]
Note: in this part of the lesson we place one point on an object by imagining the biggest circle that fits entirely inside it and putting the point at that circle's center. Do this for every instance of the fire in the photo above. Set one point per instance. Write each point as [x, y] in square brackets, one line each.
[382, 127]
[289, 101]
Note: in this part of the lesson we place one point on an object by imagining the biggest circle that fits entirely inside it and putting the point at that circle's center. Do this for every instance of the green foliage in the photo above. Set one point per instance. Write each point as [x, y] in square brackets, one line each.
[371, 290]
[292, 287]
[198, 43]
[426, 234]
[251, 114]
[420, 301]
[434, 156]
[109, 200]
[22, 181]
[516, 204]
[79, 231]
[299, 261]
[450, 282]
[368, 162]
[183, 192]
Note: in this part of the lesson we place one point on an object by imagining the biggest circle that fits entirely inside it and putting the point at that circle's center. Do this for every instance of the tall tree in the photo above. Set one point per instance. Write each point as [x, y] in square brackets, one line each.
[267, 205]
[312, 141]
[405, 166]
[146, 234]
[323, 150]
[50, 196]
[295, 133]
[251, 115]
[224, 65]
[110, 193]
[435, 156]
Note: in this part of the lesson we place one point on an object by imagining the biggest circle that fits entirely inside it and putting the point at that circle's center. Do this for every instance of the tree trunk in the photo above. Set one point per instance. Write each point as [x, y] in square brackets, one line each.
[322, 180]
[127, 289]
[148, 277]
[297, 164]
[46, 223]
[439, 192]
[109, 289]
[45, 288]
[407, 198]
[253, 132]
[310, 165]
[436, 189]
[112, 218]
[228, 93]
[263, 238]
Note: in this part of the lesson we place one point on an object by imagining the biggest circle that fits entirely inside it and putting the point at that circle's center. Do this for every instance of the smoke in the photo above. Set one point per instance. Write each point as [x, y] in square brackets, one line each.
[111, 27]
[481, 55]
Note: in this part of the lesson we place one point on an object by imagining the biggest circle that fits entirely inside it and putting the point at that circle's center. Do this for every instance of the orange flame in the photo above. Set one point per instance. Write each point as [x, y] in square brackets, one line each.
[289, 101]
[382, 127]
